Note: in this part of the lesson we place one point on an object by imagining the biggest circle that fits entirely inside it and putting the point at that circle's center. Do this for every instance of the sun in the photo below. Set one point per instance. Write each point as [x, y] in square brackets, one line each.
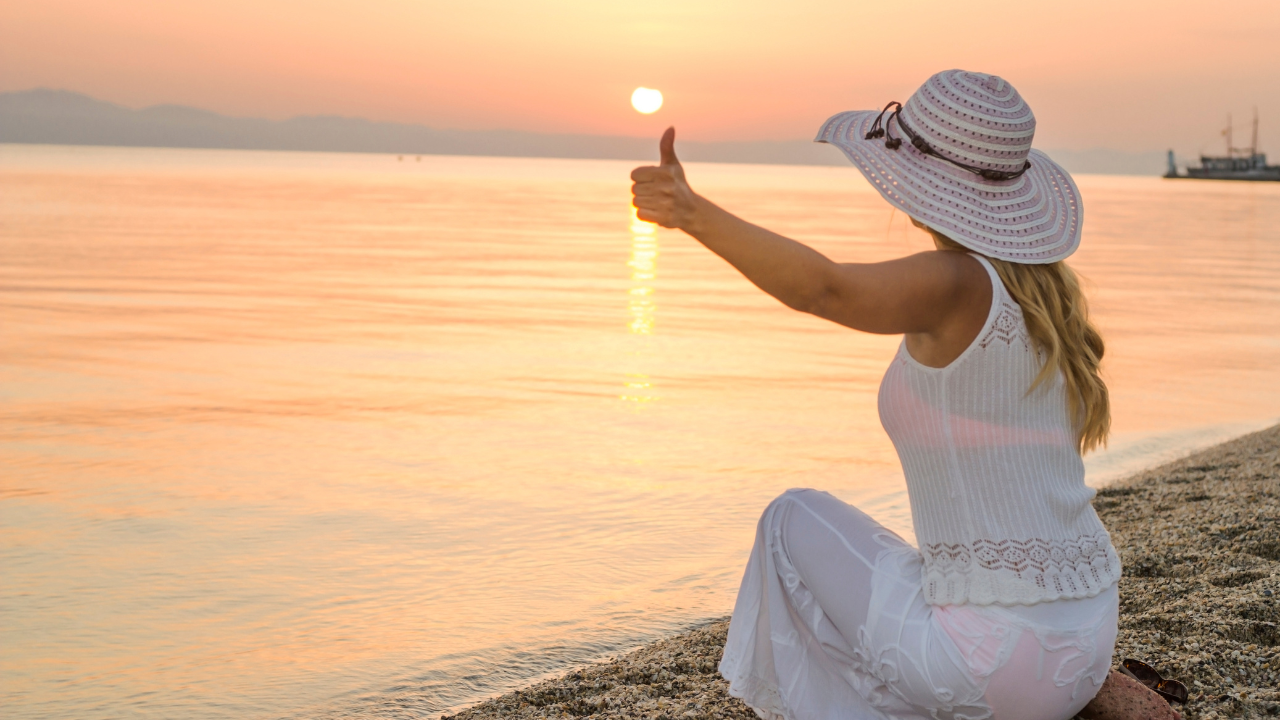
[646, 100]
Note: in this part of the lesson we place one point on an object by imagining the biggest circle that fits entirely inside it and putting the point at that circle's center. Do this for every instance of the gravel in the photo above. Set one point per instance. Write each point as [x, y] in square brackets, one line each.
[1199, 601]
[1200, 598]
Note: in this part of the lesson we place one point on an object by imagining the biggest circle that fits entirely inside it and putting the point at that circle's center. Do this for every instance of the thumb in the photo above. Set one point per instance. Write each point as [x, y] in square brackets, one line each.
[667, 147]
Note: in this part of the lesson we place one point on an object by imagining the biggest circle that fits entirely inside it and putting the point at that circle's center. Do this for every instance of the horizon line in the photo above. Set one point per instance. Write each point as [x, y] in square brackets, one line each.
[399, 123]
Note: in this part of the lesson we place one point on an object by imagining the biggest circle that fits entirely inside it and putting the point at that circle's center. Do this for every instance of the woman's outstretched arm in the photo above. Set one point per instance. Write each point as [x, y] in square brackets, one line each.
[935, 295]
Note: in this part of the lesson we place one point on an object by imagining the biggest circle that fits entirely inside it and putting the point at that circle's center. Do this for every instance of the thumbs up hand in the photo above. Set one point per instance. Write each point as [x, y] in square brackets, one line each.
[661, 194]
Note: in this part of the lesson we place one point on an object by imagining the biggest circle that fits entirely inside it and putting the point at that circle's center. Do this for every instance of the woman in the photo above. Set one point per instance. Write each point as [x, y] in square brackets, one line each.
[1008, 609]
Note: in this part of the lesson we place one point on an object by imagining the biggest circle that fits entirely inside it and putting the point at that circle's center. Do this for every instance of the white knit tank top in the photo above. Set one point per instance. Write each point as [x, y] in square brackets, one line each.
[998, 499]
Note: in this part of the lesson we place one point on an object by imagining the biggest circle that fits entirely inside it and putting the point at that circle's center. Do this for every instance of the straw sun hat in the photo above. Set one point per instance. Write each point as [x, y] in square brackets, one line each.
[957, 157]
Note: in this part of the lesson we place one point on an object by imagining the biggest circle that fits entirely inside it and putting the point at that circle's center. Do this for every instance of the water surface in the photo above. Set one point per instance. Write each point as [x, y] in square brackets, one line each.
[309, 435]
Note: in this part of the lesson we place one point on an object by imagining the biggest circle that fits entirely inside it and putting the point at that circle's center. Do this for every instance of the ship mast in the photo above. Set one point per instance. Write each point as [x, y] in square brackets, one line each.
[1253, 146]
[1230, 146]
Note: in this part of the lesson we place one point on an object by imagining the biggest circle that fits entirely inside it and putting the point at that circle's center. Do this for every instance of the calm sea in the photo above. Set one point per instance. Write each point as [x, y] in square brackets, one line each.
[312, 435]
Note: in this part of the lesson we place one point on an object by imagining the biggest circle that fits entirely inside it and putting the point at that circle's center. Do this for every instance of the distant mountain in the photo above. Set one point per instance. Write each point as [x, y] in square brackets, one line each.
[60, 117]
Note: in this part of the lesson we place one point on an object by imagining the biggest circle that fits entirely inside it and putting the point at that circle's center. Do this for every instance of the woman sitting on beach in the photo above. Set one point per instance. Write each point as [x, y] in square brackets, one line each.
[1008, 608]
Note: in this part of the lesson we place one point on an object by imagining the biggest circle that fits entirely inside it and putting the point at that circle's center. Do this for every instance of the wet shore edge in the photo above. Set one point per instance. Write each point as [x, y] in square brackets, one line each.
[1199, 539]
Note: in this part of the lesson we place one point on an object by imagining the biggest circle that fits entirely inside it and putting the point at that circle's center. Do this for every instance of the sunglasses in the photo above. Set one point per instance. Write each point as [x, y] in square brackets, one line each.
[1171, 690]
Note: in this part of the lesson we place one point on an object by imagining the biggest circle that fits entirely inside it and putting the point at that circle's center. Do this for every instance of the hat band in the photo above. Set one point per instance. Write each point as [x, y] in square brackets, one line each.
[877, 130]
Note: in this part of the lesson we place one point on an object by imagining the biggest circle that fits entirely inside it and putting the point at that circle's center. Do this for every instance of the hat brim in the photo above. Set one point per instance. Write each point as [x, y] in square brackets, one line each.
[1033, 219]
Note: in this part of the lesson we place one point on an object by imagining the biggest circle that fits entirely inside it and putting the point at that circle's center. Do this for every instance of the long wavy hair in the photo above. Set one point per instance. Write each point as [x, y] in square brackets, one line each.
[1057, 317]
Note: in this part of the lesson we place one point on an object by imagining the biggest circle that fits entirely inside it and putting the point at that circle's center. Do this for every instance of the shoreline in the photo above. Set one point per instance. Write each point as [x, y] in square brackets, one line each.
[1199, 539]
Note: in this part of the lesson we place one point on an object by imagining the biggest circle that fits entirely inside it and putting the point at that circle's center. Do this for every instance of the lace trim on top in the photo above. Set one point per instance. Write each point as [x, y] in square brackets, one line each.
[983, 572]
[1007, 327]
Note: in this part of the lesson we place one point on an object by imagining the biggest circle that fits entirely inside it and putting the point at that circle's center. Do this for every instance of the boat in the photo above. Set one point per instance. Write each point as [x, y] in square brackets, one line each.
[1238, 164]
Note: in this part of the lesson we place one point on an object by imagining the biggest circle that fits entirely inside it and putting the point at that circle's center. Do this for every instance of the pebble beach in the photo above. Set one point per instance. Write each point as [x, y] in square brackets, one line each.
[1199, 601]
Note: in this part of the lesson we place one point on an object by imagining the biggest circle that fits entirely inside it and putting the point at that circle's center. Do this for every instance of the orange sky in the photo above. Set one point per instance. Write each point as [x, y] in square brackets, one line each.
[1124, 74]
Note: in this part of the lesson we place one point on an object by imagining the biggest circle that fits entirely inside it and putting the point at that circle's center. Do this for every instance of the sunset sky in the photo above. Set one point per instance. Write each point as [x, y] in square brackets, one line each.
[1122, 74]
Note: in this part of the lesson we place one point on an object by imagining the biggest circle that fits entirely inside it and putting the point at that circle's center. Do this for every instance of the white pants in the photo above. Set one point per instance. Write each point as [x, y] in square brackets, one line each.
[830, 623]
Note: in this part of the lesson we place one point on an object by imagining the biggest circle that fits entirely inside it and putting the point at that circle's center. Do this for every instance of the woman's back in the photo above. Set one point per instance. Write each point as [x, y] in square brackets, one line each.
[996, 482]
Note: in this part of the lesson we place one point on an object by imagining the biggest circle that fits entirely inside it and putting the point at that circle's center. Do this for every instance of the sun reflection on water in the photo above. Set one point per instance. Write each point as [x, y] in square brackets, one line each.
[644, 267]
[643, 264]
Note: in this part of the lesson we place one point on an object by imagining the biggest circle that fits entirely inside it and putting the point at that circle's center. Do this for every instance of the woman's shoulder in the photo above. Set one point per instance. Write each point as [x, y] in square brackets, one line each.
[969, 273]
[967, 295]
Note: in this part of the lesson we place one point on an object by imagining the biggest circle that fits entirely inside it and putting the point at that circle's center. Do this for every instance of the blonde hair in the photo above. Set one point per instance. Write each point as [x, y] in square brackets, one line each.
[1057, 317]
